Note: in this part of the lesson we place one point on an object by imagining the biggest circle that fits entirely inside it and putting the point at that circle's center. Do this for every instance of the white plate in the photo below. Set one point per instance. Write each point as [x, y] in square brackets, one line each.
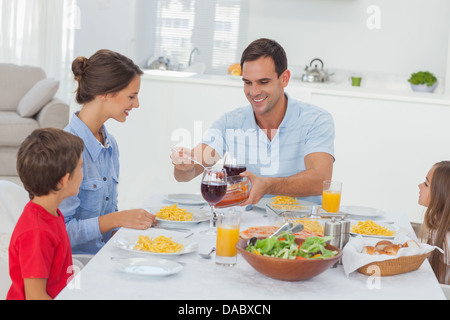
[391, 227]
[128, 244]
[148, 266]
[185, 198]
[361, 211]
[200, 214]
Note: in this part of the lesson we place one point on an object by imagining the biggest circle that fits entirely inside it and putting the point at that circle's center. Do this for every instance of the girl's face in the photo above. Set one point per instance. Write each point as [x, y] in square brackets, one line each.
[424, 189]
[121, 103]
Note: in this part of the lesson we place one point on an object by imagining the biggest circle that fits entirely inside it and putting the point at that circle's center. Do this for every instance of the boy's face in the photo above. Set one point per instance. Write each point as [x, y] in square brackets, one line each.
[76, 178]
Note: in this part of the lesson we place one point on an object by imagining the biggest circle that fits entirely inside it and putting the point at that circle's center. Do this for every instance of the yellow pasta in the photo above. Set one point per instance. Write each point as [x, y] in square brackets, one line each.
[284, 200]
[160, 244]
[284, 203]
[174, 213]
[310, 225]
[371, 228]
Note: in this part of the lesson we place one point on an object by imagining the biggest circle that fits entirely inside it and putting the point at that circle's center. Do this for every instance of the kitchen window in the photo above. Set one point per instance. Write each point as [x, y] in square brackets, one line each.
[216, 28]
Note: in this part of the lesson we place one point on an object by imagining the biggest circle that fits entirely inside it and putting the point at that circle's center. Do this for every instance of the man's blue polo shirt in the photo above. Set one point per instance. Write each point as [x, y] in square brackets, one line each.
[305, 129]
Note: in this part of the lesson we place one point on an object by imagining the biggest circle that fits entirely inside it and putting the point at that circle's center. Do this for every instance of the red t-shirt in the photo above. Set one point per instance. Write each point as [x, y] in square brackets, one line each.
[39, 249]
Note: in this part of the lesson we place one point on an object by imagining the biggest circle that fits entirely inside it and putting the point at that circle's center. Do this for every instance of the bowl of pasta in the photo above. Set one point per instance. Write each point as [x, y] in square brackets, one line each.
[180, 216]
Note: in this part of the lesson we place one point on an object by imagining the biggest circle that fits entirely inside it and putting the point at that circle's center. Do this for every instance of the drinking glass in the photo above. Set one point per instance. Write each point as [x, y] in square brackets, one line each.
[213, 188]
[233, 166]
[331, 197]
[227, 237]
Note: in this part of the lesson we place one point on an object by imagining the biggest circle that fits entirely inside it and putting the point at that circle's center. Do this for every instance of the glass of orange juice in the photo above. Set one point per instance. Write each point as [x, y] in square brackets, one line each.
[331, 196]
[228, 225]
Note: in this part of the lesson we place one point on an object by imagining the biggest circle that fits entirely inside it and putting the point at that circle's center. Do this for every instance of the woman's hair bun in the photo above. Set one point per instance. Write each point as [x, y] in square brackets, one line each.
[79, 66]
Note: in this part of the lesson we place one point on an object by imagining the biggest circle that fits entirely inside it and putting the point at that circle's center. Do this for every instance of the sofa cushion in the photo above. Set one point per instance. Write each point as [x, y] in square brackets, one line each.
[37, 97]
[14, 129]
[15, 82]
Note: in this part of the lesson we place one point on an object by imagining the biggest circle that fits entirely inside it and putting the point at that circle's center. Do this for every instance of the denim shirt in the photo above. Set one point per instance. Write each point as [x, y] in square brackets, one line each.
[98, 191]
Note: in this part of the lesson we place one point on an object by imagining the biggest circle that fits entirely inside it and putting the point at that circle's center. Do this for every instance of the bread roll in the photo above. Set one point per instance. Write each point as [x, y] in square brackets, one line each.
[371, 250]
[383, 244]
[392, 249]
[410, 244]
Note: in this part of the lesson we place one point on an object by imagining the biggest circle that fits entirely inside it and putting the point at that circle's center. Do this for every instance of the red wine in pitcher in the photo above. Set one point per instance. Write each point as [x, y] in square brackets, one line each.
[213, 192]
[234, 170]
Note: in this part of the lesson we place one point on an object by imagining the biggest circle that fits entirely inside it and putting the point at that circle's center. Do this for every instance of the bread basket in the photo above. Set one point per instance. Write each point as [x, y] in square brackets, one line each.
[394, 266]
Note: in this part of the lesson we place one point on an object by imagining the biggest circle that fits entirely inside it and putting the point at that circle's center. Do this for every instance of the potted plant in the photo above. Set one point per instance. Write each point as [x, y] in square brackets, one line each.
[423, 81]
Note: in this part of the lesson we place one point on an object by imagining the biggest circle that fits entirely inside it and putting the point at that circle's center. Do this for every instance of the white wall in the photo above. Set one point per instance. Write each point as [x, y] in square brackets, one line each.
[106, 24]
[413, 34]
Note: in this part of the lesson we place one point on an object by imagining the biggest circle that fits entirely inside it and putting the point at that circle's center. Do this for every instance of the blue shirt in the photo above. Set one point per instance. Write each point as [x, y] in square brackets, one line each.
[305, 129]
[98, 190]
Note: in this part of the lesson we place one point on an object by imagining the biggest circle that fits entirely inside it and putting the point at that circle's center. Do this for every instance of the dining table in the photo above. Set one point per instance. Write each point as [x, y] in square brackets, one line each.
[203, 279]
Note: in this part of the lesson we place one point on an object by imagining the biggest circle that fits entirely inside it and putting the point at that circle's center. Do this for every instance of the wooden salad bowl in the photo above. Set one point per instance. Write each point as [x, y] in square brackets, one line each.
[286, 269]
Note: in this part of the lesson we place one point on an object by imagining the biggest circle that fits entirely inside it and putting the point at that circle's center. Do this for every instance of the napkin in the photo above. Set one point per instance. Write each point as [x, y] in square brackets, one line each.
[353, 259]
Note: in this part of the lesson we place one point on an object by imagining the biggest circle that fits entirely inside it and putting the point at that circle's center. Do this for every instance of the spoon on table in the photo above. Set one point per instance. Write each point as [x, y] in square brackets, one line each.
[207, 256]
[190, 158]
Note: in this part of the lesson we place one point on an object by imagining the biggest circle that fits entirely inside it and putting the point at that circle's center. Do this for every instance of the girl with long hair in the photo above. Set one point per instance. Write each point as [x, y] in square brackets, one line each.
[435, 195]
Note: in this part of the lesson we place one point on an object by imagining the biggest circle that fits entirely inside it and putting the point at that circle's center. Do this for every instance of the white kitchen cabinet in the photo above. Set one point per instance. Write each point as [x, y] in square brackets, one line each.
[385, 142]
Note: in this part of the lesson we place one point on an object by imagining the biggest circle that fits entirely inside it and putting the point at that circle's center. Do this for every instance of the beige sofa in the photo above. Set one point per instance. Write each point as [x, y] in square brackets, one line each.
[26, 103]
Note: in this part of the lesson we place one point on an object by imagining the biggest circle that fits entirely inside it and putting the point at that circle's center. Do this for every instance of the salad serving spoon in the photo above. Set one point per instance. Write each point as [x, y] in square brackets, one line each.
[284, 227]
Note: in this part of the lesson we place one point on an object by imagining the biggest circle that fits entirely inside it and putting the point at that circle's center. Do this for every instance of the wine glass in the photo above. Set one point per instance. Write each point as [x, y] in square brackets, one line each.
[213, 188]
[232, 165]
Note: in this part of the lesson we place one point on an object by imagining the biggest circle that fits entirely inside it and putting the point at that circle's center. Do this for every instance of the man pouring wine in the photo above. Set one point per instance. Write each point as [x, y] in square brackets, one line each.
[286, 145]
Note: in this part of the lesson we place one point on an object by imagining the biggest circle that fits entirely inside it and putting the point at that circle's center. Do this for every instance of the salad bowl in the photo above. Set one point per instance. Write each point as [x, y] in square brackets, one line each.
[288, 269]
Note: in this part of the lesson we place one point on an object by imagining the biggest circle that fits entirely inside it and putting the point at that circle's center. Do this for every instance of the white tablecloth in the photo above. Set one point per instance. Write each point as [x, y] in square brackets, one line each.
[202, 279]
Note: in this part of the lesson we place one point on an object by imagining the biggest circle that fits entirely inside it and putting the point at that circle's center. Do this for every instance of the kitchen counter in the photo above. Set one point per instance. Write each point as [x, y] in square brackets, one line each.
[389, 90]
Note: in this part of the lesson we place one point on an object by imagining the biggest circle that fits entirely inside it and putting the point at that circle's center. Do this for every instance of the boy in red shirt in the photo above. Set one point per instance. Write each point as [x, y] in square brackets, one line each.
[49, 163]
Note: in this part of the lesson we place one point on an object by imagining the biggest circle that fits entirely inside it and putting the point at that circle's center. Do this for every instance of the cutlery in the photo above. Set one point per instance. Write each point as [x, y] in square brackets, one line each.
[284, 227]
[173, 229]
[297, 228]
[207, 256]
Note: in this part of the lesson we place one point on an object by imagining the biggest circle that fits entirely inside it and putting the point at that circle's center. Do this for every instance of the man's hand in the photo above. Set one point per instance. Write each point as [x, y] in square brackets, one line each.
[260, 187]
[181, 159]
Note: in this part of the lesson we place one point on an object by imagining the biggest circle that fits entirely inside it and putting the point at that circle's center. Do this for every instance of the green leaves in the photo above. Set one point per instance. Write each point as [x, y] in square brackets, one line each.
[423, 77]
[284, 246]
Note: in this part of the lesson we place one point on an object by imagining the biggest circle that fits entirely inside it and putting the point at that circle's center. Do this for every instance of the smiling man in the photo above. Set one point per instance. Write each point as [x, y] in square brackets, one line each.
[286, 145]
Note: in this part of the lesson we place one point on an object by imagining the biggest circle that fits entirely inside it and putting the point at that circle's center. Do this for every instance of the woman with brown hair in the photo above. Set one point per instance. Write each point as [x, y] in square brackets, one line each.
[435, 195]
[108, 88]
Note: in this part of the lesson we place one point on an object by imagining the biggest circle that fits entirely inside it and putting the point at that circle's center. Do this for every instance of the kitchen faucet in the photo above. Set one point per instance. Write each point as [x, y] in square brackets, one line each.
[192, 53]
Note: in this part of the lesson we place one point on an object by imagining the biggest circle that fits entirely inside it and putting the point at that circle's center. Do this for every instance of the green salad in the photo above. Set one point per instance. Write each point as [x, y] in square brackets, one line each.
[284, 247]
